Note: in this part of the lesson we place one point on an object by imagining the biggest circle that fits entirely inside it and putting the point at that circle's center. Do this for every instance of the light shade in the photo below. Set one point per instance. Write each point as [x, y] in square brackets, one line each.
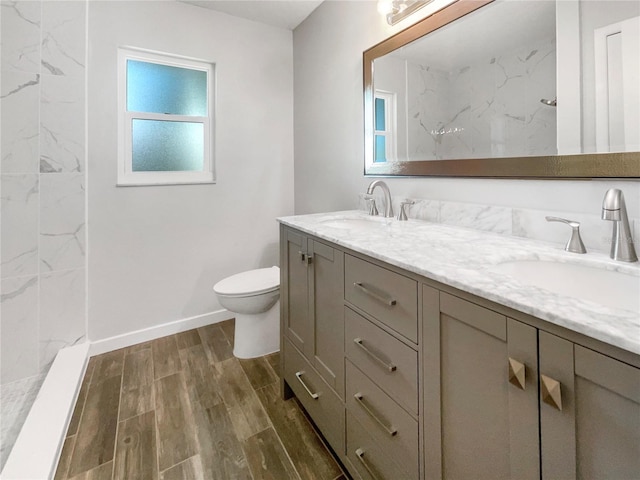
[396, 10]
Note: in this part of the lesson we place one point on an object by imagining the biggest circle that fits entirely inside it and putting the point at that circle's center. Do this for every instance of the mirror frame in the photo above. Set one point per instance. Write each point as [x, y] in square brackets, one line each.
[579, 166]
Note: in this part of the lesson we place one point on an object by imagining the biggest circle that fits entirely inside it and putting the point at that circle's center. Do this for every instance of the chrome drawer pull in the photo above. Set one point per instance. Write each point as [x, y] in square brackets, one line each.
[389, 366]
[311, 394]
[360, 455]
[381, 298]
[389, 429]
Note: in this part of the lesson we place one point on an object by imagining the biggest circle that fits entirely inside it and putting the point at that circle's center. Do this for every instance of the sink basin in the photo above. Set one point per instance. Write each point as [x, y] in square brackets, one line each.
[609, 288]
[354, 223]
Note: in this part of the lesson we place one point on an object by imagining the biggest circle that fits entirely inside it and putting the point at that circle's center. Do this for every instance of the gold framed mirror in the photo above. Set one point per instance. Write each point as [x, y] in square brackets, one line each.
[498, 159]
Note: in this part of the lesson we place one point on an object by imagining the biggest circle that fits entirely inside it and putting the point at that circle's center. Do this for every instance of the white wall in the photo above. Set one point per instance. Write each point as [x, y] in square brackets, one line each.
[156, 252]
[329, 133]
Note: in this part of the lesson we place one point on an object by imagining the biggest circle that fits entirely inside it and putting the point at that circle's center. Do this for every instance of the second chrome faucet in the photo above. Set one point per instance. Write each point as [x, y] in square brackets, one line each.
[388, 208]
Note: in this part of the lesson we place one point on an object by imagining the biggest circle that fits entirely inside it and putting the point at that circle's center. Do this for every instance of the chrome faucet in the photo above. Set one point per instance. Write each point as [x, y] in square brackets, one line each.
[388, 209]
[615, 210]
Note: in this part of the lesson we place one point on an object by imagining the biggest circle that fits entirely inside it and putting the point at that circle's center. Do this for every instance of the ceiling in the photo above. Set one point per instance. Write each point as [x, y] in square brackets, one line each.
[279, 13]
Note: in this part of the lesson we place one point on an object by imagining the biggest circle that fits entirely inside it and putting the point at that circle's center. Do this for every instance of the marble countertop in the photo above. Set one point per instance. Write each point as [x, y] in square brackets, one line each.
[463, 258]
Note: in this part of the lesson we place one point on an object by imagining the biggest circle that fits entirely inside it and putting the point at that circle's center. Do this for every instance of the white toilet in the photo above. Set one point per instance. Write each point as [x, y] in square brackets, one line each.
[254, 296]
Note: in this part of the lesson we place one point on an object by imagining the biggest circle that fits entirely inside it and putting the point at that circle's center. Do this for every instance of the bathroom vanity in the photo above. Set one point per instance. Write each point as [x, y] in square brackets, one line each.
[416, 356]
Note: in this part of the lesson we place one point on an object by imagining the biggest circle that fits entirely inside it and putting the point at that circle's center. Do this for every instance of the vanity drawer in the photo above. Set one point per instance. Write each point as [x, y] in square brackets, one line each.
[391, 427]
[391, 364]
[385, 295]
[370, 459]
[322, 404]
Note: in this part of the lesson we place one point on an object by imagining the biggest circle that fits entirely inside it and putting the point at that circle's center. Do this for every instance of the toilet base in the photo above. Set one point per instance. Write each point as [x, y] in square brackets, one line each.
[258, 334]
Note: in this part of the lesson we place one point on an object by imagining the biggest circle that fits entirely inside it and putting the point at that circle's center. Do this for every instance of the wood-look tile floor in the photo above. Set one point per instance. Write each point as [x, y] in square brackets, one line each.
[183, 407]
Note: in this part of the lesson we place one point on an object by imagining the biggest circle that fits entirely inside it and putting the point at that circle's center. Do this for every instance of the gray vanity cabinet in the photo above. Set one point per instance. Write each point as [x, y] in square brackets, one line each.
[590, 420]
[442, 384]
[312, 303]
[487, 426]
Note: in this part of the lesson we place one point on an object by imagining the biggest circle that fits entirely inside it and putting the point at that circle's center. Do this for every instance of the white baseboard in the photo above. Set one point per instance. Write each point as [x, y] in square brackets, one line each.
[127, 339]
[37, 449]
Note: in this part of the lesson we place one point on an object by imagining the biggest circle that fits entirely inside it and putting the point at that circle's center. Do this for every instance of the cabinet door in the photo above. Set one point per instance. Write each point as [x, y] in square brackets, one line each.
[295, 291]
[326, 283]
[589, 413]
[486, 372]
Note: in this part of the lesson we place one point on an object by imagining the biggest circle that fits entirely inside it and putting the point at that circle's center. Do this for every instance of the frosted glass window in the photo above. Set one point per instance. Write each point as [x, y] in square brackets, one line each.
[166, 122]
[380, 114]
[381, 149]
[160, 146]
[152, 87]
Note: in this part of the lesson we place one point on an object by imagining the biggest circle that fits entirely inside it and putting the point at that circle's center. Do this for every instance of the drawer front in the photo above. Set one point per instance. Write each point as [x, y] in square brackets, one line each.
[387, 296]
[391, 364]
[322, 404]
[390, 426]
[369, 458]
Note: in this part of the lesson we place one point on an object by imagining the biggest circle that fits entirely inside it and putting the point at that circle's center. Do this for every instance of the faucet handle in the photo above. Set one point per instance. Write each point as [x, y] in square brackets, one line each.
[402, 215]
[371, 204]
[574, 244]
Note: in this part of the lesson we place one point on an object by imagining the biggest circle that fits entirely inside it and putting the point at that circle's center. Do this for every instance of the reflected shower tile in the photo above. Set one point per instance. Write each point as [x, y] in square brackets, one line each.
[62, 312]
[20, 26]
[62, 142]
[18, 328]
[480, 217]
[19, 254]
[19, 110]
[62, 221]
[63, 38]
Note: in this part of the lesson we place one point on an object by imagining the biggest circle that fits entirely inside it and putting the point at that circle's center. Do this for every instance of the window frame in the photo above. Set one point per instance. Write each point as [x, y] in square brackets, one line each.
[390, 122]
[125, 175]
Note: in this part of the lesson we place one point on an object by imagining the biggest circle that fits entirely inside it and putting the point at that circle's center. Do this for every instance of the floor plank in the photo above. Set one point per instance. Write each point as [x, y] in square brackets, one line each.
[229, 329]
[166, 359]
[246, 412]
[217, 346]
[267, 458]
[220, 450]
[200, 379]
[274, 362]
[82, 396]
[107, 365]
[103, 472]
[137, 384]
[190, 469]
[95, 440]
[65, 458]
[136, 448]
[258, 371]
[309, 456]
[174, 416]
[188, 339]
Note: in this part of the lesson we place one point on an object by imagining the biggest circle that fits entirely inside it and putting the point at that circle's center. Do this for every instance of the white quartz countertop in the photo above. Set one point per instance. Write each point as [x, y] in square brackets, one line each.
[463, 258]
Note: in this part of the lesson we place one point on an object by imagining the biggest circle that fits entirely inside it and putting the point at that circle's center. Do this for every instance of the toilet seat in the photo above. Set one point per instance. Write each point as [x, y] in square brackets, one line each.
[250, 283]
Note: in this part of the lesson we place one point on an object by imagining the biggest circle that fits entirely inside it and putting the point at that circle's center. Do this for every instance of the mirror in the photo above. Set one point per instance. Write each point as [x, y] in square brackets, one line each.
[471, 91]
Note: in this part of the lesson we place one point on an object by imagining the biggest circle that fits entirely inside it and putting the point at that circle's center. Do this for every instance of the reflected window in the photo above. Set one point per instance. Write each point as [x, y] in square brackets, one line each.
[384, 122]
[165, 119]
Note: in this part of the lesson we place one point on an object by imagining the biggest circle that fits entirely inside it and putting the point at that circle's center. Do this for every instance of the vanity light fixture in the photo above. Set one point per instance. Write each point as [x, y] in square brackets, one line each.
[396, 10]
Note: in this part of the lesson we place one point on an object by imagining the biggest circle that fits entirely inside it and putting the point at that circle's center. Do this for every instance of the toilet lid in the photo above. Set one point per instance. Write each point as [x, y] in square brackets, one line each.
[253, 282]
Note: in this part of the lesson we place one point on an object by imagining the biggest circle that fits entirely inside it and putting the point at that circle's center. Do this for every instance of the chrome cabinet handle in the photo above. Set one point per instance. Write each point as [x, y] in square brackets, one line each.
[517, 373]
[305, 257]
[387, 300]
[360, 455]
[389, 366]
[311, 394]
[551, 392]
[389, 429]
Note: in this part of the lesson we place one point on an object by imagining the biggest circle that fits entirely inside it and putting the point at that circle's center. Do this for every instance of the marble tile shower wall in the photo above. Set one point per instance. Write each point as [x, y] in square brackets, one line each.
[490, 107]
[519, 222]
[43, 177]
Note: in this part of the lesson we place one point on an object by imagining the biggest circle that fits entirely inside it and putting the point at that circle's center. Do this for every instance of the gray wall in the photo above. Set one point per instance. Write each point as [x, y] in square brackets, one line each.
[329, 134]
[156, 252]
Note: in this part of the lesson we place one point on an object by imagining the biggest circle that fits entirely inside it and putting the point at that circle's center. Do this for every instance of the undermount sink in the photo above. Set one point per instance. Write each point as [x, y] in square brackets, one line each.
[354, 222]
[609, 288]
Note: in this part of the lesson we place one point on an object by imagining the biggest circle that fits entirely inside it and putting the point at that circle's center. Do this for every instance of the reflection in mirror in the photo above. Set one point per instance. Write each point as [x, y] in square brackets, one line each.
[475, 95]
[492, 88]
